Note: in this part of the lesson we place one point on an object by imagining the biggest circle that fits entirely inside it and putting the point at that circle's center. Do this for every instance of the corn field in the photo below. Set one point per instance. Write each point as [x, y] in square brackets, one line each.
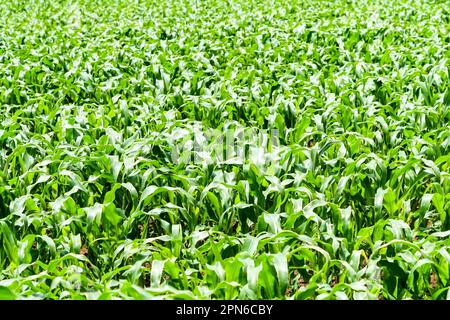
[224, 149]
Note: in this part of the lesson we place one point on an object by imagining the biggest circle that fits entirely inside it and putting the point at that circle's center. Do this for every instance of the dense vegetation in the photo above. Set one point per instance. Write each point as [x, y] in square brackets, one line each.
[350, 201]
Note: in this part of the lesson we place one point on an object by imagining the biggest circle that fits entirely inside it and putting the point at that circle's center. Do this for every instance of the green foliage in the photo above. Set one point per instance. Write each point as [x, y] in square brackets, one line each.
[96, 95]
